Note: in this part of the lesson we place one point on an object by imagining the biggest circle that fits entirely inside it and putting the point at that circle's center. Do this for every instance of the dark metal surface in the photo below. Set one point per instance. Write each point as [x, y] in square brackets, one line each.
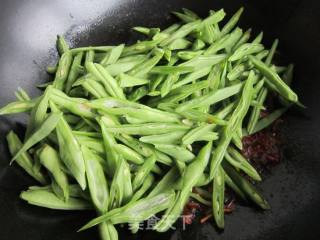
[28, 32]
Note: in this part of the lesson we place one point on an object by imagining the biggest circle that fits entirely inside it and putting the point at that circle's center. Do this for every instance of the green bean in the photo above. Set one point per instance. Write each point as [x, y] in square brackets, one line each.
[108, 81]
[218, 197]
[164, 185]
[138, 94]
[214, 77]
[203, 193]
[268, 120]
[113, 55]
[108, 231]
[184, 17]
[167, 138]
[177, 152]
[143, 172]
[125, 64]
[191, 77]
[22, 95]
[78, 92]
[96, 181]
[190, 13]
[144, 149]
[129, 81]
[146, 66]
[47, 199]
[288, 75]
[94, 88]
[210, 98]
[238, 161]
[139, 47]
[110, 102]
[74, 71]
[234, 187]
[245, 38]
[146, 129]
[24, 160]
[261, 55]
[254, 117]
[245, 50]
[179, 44]
[190, 178]
[94, 144]
[236, 139]
[40, 133]
[235, 120]
[232, 22]
[246, 187]
[77, 106]
[171, 69]
[143, 189]
[63, 70]
[207, 33]
[70, 151]
[226, 42]
[198, 45]
[50, 159]
[146, 115]
[198, 116]
[187, 55]
[128, 153]
[223, 78]
[147, 31]
[194, 134]
[38, 113]
[18, 107]
[137, 211]
[91, 48]
[258, 38]
[214, 18]
[179, 93]
[272, 52]
[121, 188]
[281, 87]
[109, 142]
[183, 31]
[51, 69]
[201, 62]
[236, 72]
[200, 199]
[168, 84]
[62, 45]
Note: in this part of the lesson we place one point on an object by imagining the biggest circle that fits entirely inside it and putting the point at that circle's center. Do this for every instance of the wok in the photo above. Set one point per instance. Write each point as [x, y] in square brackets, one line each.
[27, 45]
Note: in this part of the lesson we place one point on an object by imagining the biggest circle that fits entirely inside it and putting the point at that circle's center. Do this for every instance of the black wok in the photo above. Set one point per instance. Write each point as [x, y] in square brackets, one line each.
[27, 39]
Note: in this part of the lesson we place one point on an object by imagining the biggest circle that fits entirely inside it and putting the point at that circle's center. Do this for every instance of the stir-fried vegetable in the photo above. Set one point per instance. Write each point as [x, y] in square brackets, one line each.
[130, 131]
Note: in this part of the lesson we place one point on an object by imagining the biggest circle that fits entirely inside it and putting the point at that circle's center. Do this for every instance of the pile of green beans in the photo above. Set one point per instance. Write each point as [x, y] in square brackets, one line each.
[130, 131]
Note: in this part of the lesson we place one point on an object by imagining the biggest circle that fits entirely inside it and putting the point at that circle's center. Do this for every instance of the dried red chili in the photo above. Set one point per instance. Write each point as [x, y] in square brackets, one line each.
[189, 212]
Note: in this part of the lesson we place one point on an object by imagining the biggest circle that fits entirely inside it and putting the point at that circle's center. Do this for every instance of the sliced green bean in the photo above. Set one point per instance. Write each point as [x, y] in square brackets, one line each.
[50, 159]
[218, 197]
[268, 120]
[246, 187]
[24, 160]
[143, 172]
[63, 70]
[74, 71]
[62, 45]
[281, 87]
[177, 152]
[40, 133]
[70, 151]
[47, 199]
